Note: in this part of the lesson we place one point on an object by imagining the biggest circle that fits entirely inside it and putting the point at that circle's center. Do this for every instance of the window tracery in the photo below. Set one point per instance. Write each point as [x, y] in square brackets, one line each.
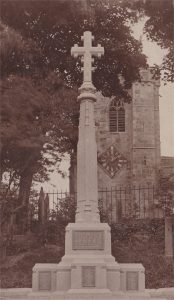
[116, 116]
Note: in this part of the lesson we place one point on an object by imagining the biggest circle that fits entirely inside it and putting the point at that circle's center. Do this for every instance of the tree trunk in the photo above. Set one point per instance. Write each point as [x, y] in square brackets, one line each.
[23, 199]
[26, 177]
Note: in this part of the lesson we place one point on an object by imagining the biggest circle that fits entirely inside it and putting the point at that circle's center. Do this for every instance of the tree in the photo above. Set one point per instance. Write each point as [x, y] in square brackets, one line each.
[109, 23]
[31, 131]
[33, 117]
[42, 76]
[159, 28]
[18, 55]
[21, 137]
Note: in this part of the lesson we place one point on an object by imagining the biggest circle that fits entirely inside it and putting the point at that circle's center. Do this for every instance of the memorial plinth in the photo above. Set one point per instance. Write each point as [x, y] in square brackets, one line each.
[87, 268]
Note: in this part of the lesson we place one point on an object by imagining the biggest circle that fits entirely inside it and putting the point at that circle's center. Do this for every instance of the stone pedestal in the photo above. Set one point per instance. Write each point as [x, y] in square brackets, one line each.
[88, 267]
[88, 257]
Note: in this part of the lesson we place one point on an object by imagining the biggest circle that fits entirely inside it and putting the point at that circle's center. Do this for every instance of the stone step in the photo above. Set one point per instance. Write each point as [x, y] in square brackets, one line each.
[89, 298]
[25, 294]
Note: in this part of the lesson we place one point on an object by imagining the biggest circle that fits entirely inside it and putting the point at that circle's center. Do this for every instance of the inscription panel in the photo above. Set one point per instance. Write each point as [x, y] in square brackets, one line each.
[87, 240]
[88, 276]
[44, 281]
[132, 281]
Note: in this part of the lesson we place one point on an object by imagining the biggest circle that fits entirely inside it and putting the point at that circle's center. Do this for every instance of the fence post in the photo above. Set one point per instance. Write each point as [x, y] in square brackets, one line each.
[29, 215]
[41, 207]
[46, 208]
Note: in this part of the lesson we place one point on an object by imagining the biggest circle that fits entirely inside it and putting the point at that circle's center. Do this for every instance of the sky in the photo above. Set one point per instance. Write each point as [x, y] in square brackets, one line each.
[154, 55]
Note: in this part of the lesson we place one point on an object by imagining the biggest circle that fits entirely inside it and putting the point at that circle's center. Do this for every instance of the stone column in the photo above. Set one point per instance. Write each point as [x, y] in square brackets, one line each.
[87, 186]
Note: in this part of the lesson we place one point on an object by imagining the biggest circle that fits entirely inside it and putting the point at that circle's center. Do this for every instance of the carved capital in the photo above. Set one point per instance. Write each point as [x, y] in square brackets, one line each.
[87, 92]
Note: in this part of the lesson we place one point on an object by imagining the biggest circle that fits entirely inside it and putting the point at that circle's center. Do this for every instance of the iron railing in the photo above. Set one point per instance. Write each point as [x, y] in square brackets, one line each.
[114, 204]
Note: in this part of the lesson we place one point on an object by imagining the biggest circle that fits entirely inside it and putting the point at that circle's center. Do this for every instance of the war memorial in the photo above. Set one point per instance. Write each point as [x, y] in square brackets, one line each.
[88, 270]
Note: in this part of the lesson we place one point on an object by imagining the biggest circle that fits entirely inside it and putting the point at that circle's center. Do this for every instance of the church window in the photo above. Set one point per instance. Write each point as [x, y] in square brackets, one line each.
[116, 116]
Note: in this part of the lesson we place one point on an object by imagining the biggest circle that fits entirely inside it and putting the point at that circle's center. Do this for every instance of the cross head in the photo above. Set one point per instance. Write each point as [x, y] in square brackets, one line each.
[87, 51]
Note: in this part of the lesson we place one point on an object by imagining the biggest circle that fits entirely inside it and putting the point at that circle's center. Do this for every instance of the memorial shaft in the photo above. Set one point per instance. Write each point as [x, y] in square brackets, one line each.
[87, 183]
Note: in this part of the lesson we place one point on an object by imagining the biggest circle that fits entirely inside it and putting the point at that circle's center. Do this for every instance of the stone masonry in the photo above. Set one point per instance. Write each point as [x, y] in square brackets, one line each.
[138, 145]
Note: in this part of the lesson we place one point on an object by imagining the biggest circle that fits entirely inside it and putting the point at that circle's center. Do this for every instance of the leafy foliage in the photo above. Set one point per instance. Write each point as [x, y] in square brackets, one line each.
[33, 116]
[39, 77]
[166, 194]
[108, 23]
[125, 231]
[65, 210]
[159, 28]
[18, 55]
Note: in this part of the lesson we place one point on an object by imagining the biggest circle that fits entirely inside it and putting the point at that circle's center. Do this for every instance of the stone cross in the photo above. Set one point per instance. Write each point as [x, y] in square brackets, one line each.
[87, 51]
[87, 185]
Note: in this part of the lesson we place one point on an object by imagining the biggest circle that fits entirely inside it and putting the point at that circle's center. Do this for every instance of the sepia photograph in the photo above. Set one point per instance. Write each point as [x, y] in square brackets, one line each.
[87, 149]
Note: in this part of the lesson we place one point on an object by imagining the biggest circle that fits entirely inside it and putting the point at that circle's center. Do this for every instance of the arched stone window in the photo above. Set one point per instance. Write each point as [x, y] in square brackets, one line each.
[116, 116]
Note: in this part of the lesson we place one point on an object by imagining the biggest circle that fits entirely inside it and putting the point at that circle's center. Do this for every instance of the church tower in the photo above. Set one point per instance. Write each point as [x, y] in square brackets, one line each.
[128, 136]
[128, 145]
[145, 130]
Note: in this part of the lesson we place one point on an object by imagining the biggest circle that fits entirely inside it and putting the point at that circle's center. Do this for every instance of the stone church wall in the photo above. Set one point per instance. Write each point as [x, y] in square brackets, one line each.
[106, 139]
[131, 157]
[146, 139]
[139, 144]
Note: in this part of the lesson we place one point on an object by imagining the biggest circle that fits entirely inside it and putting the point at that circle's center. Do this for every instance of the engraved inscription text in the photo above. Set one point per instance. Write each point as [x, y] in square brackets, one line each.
[44, 281]
[88, 240]
[88, 276]
[132, 281]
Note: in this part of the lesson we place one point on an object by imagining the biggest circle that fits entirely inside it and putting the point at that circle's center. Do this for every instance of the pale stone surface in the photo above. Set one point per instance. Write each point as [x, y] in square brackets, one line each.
[63, 278]
[99, 260]
[132, 281]
[145, 139]
[91, 268]
[25, 294]
[128, 278]
[88, 240]
[44, 277]
[88, 276]
[102, 228]
[87, 187]
[45, 281]
[87, 51]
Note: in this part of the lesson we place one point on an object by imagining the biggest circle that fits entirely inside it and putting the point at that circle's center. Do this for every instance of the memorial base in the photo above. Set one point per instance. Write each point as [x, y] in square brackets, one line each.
[88, 267]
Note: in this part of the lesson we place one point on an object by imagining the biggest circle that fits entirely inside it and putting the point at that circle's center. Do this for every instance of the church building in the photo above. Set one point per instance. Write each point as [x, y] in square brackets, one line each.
[128, 137]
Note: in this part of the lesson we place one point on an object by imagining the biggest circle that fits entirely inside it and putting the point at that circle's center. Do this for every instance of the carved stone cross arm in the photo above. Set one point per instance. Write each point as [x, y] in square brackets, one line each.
[87, 51]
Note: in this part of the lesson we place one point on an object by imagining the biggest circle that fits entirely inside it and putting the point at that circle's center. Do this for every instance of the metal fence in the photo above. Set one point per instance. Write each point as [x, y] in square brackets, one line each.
[131, 202]
[115, 204]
